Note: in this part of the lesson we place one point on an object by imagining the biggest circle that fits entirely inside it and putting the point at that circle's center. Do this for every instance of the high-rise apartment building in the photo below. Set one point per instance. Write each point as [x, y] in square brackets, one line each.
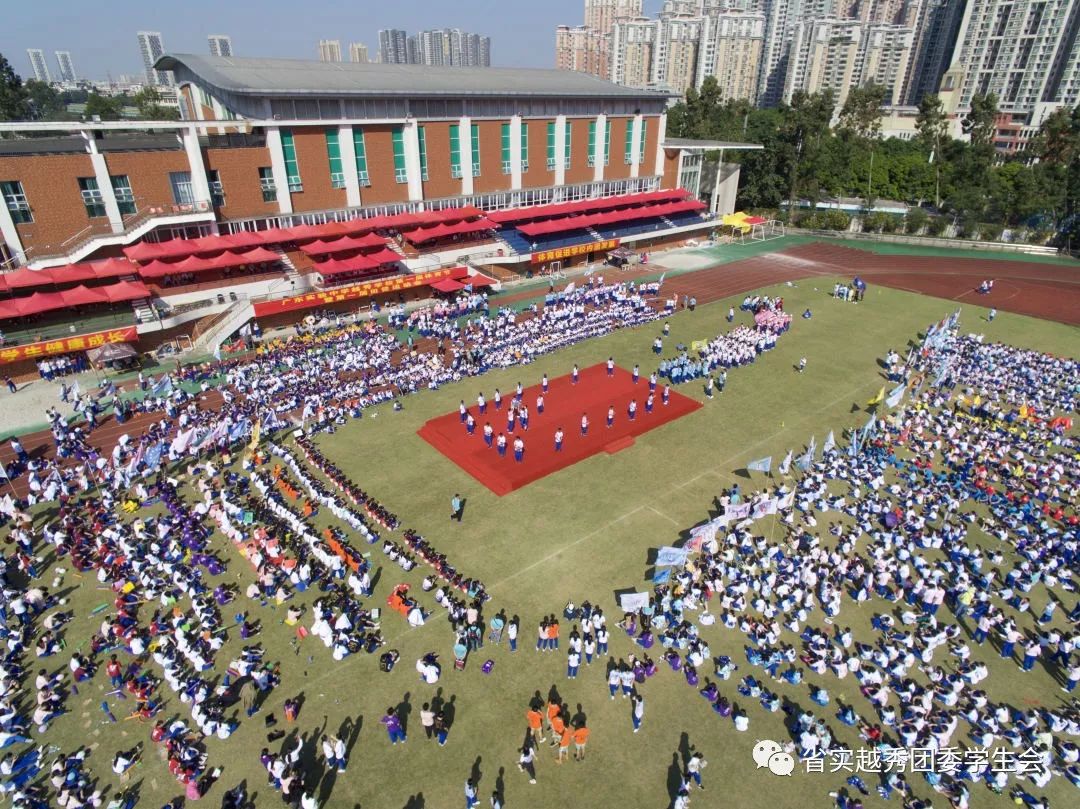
[39, 65]
[151, 48]
[581, 49]
[935, 27]
[601, 15]
[220, 45]
[329, 50]
[675, 55]
[393, 46]
[631, 56]
[1023, 51]
[67, 67]
[731, 46]
[358, 52]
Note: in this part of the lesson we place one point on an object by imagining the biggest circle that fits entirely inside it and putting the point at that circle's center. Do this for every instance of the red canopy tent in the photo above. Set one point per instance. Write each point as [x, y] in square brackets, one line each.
[584, 206]
[229, 258]
[40, 302]
[384, 256]
[348, 265]
[126, 291]
[447, 285]
[83, 295]
[26, 278]
[9, 309]
[477, 281]
[368, 241]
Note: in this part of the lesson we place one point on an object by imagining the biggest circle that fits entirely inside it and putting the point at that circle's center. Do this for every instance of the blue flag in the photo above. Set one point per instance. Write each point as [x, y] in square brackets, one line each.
[153, 456]
[238, 430]
[830, 442]
[163, 385]
[760, 465]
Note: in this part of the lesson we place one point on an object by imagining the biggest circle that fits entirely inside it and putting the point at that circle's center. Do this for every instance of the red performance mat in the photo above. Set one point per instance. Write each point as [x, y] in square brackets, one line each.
[564, 404]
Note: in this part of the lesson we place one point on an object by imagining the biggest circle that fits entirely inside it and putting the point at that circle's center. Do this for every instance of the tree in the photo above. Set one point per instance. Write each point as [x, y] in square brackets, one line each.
[804, 123]
[45, 102]
[860, 117]
[933, 129]
[148, 103]
[14, 100]
[105, 108]
[980, 122]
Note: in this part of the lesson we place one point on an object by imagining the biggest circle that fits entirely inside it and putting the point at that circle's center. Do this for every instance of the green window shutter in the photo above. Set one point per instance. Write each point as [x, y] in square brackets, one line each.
[361, 157]
[566, 142]
[421, 136]
[607, 142]
[91, 197]
[551, 146]
[591, 160]
[455, 150]
[475, 150]
[628, 149]
[506, 161]
[644, 132]
[524, 146]
[292, 167]
[401, 174]
[333, 152]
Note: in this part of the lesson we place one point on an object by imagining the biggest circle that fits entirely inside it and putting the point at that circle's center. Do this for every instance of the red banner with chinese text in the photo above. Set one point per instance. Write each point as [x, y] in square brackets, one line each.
[574, 250]
[65, 345]
[351, 292]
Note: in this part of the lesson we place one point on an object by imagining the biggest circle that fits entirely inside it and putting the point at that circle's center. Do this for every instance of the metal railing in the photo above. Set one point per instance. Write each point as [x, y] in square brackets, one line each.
[930, 241]
[103, 229]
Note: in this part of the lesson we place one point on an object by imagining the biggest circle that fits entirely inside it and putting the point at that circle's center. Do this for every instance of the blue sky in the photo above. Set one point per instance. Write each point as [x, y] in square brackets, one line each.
[103, 40]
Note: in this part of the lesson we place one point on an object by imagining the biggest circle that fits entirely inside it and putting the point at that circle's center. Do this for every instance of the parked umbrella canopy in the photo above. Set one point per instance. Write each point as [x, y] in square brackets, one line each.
[110, 352]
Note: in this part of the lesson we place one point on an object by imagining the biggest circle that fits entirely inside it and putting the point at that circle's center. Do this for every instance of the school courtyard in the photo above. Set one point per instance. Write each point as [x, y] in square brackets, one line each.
[588, 531]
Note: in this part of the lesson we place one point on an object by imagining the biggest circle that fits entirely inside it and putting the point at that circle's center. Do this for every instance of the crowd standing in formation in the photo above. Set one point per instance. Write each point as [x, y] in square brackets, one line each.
[988, 431]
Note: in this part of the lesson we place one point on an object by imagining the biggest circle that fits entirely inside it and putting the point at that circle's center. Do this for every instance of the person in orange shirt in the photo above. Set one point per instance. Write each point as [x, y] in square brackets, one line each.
[553, 711]
[564, 744]
[535, 718]
[553, 633]
[581, 736]
[558, 729]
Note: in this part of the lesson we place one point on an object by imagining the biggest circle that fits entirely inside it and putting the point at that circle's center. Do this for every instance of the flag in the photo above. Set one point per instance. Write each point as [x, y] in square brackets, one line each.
[760, 465]
[217, 352]
[871, 426]
[896, 395]
[830, 442]
[569, 288]
[237, 431]
[764, 508]
[163, 385]
[786, 502]
[662, 277]
[699, 345]
[76, 390]
[807, 458]
[668, 555]
[785, 465]
[183, 441]
[737, 512]
[212, 437]
[256, 431]
[853, 450]
[661, 575]
[153, 456]
[877, 399]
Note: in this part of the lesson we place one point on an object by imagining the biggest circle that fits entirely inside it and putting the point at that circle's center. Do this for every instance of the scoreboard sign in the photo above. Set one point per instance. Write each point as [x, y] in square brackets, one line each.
[574, 250]
[65, 345]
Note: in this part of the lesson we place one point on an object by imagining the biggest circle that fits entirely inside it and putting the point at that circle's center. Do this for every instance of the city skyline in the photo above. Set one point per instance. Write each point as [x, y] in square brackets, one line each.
[104, 46]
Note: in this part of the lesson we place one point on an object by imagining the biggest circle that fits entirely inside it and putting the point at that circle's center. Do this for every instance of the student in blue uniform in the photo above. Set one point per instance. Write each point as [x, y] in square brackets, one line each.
[652, 382]
[558, 440]
[540, 405]
[523, 417]
[631, 409]
[498, 399]
[649, 402]
[584, 424]
[665, 397]
[611, 366]
[519, 391]
[610, 416]
[500, 445]
[511, 420]
[489, 434]
[470, 424]
[481, 403]
[519, 449]
[637, 373]
[462, 411]
[544, 383]
[574, 375]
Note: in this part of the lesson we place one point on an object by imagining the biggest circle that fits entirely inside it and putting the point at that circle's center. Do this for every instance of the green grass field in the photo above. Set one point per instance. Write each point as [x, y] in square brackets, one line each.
[583, 533]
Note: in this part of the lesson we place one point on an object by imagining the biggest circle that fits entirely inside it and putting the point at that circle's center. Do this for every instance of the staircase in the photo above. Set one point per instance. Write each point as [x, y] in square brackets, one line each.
[291, 271]
[210, 333]
[144, 312]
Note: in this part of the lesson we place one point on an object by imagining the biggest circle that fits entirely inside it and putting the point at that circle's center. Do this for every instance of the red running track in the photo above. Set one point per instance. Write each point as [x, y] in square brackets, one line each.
[564, 404]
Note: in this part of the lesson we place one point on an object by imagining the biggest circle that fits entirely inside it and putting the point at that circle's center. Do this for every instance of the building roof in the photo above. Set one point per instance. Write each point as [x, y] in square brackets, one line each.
[709, 145]
[291, 77]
